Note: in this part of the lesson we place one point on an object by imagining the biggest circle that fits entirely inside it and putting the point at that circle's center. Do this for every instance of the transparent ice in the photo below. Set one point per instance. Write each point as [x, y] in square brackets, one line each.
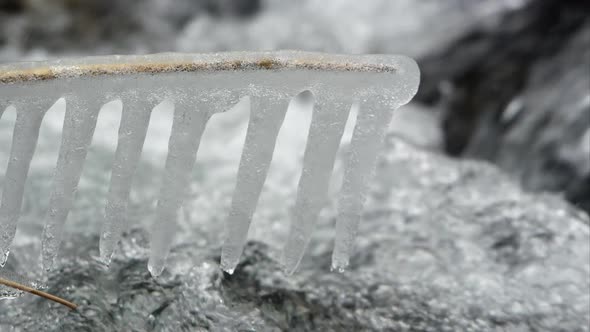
[197, 97]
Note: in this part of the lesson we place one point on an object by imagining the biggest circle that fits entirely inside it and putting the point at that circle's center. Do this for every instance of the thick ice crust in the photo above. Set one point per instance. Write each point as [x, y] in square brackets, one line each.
[178, 62]
[181, 76]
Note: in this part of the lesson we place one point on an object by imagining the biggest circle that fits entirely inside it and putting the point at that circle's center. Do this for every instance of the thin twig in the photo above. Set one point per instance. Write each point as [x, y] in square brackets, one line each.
[37, 292]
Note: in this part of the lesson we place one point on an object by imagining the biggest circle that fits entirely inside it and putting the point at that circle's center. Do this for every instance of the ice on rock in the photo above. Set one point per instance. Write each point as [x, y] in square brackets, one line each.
[201, 85]
[24, 141]
[132, 132]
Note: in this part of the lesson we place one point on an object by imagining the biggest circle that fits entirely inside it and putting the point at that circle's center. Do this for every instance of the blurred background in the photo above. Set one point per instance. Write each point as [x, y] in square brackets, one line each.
[502, 80]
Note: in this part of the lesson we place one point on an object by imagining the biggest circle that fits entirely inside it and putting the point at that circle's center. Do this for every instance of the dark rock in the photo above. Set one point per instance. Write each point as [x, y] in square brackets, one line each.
[444, 245]
[235, 8]
[12, 6]
[519, 96]
[580, 194]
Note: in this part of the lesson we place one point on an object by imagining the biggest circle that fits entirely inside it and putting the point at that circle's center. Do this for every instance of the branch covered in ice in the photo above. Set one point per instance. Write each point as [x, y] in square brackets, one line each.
[201, 85]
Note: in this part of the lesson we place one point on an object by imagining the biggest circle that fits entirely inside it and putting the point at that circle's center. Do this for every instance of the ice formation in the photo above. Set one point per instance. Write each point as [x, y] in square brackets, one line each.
[200, 86]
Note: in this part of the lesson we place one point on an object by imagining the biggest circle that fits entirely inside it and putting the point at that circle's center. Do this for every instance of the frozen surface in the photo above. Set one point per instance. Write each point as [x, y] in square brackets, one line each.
[444, 245]
[199, 86]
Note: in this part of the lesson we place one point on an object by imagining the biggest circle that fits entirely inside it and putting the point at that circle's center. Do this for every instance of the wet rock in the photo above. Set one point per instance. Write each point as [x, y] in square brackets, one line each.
[444, 245]
[519, 96]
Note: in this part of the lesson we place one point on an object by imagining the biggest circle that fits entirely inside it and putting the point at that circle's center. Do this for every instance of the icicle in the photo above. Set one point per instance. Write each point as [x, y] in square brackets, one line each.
[266, 118]
[327, 125]
[78, 129]
[132, 132]
[187, 129]
[2, 109]
[24, 141]
[367, 138]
